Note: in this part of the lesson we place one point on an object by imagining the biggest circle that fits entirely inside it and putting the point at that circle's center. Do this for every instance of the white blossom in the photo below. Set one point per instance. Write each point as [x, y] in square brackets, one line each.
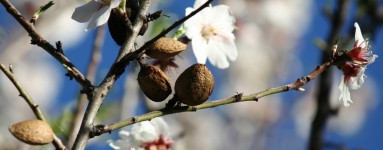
[353, 71]
[152, 134]
[97, 12]
[211, 34]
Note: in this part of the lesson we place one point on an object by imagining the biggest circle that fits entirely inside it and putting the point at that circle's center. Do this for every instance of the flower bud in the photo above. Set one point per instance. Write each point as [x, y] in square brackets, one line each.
[195, 85]
[34, 132]
[165, 48]
[154, 83]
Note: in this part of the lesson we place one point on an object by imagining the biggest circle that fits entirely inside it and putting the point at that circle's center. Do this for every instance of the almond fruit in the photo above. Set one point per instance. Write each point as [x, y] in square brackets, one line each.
[154, 83]
[195, 85]
[165, 48]
[34, 132]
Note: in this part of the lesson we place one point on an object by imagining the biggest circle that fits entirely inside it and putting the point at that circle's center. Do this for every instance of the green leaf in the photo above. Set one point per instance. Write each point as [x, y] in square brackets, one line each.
[41, 10]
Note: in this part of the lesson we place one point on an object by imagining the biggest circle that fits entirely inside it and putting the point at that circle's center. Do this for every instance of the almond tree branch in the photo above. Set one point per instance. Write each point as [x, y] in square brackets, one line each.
[35, 108]
[100, 129]
[38, 40]
[98, 94]
[323, 110]
[90, 74]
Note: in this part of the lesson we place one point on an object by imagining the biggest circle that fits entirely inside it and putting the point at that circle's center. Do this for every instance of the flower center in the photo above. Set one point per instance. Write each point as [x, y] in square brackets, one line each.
[208, 32]
[351, 70]
[160, 144]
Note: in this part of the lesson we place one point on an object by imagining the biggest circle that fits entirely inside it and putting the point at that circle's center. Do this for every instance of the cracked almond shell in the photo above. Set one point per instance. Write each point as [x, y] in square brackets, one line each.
[154, 83]
[34, 132]
[195, 85]
[165, 48]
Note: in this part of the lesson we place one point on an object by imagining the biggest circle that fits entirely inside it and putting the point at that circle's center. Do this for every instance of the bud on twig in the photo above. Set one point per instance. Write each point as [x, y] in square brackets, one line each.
[40, 11]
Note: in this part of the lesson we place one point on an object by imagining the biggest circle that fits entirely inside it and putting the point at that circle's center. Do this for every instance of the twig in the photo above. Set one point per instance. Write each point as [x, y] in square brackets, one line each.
[90, 75]
[35, 108]
[38, 40]
[323, 111]
[100, 129]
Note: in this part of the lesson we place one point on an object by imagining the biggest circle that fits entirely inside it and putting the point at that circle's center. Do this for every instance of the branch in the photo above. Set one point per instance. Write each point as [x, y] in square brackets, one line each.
[38, 40]
[35, 108]
[97, 95]
[90, 74]
[100, 129]
[323, 110]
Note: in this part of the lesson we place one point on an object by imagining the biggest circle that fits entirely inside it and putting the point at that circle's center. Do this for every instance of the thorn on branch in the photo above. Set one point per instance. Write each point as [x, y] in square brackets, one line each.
[10, 68]
[238, 97]
[68, 74]
[59, 47]
[307, 79]
[289, 87]
[255, 98]
[36, 106]
[34, 40]
[134, 119]
[317, 68]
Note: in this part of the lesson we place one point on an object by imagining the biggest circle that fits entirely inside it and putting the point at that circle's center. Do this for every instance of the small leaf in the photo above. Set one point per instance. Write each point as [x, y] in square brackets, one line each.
[40, 11]
[181, 31]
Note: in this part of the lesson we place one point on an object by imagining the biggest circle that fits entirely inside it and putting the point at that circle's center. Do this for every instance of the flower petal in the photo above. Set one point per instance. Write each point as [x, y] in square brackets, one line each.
[113, 144]
[198, 3]
[228, 47]
[145, 132]
[372, 59]
[124, 134]
[193, 26]
[344, 92]
[100, 18]
[200, 49]
[223, 19]
[161, 126]
[358, 36]
[216, 56]
[85, 12]
[356, 82]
